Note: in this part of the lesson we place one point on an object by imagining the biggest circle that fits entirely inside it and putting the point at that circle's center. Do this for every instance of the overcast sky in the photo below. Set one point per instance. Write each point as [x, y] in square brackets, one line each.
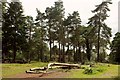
[83, 6]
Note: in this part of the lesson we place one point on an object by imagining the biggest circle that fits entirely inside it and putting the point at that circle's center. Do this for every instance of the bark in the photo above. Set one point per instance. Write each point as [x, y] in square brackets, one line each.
[30, 46]
[14, 47]
[38, 56]
[74, 53]
[63, 53]
[29, 57]
[98, 53]
[79, 54]
[68, 54]
[50, 42]
[14, 52]
[50, 50]
[53, 65]
[50, 65]
[53, 43]
[4, 52]
[59, 54]
[41, 54]
[88, 49]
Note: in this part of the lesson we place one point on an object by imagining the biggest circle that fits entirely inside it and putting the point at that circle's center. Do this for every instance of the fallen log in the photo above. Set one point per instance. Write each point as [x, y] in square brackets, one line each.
[57, 67]
[38, 68]
[50, 65]
[35, 72]
[53, 66]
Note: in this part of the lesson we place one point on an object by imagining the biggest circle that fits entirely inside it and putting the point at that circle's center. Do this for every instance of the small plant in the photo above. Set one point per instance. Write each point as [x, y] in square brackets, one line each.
[82, 67]
[100, 70]
[88, 71]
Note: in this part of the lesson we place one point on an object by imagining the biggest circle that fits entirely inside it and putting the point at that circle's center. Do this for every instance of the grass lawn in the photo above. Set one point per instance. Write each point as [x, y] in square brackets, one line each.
[106, 72]
[12, 69]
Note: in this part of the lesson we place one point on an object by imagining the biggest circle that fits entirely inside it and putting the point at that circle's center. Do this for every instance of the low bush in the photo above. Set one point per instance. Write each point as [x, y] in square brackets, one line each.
[88, 71]
[100, 70]
[82, 67]
[94, 70]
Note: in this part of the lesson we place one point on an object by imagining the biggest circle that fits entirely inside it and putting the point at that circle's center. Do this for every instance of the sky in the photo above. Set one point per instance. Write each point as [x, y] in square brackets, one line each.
[84, 7]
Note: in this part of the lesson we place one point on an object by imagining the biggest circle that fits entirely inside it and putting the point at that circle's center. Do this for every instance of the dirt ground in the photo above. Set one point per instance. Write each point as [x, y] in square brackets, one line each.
[40, 75]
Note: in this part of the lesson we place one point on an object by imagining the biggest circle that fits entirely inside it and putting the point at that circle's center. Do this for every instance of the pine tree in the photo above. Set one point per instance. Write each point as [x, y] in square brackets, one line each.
[14, 31]
[98, 21]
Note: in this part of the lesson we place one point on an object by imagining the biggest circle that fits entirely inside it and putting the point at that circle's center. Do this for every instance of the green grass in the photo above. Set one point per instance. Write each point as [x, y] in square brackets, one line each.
[101, 71]
[12, 69]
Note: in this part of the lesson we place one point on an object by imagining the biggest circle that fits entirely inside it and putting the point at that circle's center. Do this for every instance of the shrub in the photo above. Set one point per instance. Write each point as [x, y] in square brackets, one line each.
[93, 70]
[100, 70]
[82, 67]
[88, 71]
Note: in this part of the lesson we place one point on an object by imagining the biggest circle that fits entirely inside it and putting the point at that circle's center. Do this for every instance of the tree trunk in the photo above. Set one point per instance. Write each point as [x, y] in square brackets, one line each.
[98, 53]
[79, 54]
[53, 43]
[68, 53]
[14, 47]
[74, 53]
[29, 57]
[38, 56]
[14, 52]
[54, 52]
[3, 57]
[4, 52]
[59, 54]
[50, 42]
[29, 45]
[50, 51]
[63, 53]
[88, 49]
[41, 54]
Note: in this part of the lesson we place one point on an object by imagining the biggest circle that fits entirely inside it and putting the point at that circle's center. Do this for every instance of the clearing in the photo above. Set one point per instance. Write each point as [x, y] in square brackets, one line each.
[18, 71]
